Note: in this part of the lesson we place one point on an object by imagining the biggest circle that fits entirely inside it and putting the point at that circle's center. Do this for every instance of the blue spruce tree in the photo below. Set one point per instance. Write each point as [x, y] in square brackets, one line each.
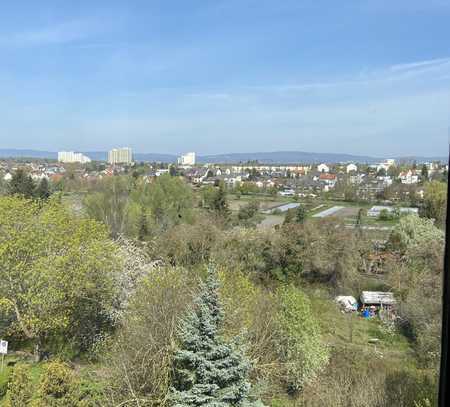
[208, 371]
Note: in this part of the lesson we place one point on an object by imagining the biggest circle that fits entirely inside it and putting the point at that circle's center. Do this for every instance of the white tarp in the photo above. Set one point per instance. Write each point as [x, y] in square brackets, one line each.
[348, 302]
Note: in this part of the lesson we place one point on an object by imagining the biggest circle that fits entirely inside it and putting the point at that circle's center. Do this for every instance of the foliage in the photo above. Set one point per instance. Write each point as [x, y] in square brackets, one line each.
[299, 342]
[215, 199]
[168, 199]
[300, 215]
[385, 215]
[57, 387]
[412, 232]
[297, 215]
[139, 209]
[410, 388]
[435, 202]
[20, 390]
[109, 203]
[139, 357]
[207, 370]
[188, 245]
[416, 277]
[42, 190]
[58, 273]
[21, 184]
[248, 213]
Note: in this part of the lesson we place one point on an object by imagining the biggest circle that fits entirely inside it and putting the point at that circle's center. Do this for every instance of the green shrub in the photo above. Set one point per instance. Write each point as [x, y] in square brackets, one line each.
[299, 340]
[57, 386]
[20, 389]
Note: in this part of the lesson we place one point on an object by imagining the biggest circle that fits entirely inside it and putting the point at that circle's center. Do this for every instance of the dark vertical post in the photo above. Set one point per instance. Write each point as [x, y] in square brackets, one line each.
[444, 399]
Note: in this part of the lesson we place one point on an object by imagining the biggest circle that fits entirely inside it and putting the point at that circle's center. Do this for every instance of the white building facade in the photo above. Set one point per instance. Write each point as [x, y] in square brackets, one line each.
[323, 168]
[122, 155]
[72, 157]
[351, 167]
[187, 159]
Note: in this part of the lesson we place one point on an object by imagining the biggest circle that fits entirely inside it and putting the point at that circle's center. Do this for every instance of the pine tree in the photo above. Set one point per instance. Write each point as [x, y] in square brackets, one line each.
[208, 371]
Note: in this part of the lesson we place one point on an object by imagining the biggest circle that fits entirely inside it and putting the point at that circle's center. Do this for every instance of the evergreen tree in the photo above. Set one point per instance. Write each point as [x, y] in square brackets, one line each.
[300, 215]
[219, 202]
[172, 171]
[424, 172]
[43, 190]
[208, 371]
[21, 184]
[143, 227]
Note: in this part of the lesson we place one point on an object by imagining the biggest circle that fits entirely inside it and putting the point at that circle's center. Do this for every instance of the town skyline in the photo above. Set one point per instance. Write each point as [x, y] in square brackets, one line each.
[367, 77]
[281, 157]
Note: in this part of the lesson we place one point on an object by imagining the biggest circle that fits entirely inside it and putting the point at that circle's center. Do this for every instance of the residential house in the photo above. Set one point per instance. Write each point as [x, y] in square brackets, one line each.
[409, 177]
[323, 168]
[351, 168]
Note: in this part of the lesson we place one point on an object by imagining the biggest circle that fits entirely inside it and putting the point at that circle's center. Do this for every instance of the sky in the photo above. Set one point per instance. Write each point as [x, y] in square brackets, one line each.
[367, 77]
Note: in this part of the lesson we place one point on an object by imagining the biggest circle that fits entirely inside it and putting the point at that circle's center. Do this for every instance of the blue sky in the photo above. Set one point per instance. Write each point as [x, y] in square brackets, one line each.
[363, 77]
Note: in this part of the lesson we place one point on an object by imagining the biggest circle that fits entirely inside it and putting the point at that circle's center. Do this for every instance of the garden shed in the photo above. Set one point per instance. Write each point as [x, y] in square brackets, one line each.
[378, 303]
[377, 298]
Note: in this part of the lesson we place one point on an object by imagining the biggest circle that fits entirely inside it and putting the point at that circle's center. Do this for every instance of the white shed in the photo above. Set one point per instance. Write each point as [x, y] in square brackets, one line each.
[377, 298]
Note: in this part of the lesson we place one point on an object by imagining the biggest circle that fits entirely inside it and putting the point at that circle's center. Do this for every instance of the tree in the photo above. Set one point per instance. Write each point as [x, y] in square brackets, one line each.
[109, 204]
[207, 370]
[297, 215]
[299, 340]
[413, 232]
[289, 217]
[385, 215]
[435, 202]
[169, 200]
[359, 218]
[415, 276]
[139, 362]
[215, 198]
[381, 172]
[21, 184]
[248, 214]
[350, 193]
[58, 274]
[424, 172]
[300, 215]
[143, 225]
[43, 190]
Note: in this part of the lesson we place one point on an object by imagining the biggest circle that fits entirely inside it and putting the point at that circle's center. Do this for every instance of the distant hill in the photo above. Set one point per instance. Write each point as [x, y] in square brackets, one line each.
[275, 157]
[15, 153]
[286, 157]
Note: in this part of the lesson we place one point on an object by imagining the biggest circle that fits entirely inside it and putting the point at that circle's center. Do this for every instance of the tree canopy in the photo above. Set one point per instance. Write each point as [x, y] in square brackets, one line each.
[57, 273]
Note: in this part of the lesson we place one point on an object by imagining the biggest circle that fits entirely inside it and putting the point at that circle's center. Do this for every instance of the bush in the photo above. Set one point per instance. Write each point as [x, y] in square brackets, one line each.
[410, 388]
[140, 357]
[57, 386]
[20, 388]
[299, 340]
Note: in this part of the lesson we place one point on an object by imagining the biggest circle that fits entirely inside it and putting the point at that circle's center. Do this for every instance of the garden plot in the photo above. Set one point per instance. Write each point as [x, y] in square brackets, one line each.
[328, 212]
